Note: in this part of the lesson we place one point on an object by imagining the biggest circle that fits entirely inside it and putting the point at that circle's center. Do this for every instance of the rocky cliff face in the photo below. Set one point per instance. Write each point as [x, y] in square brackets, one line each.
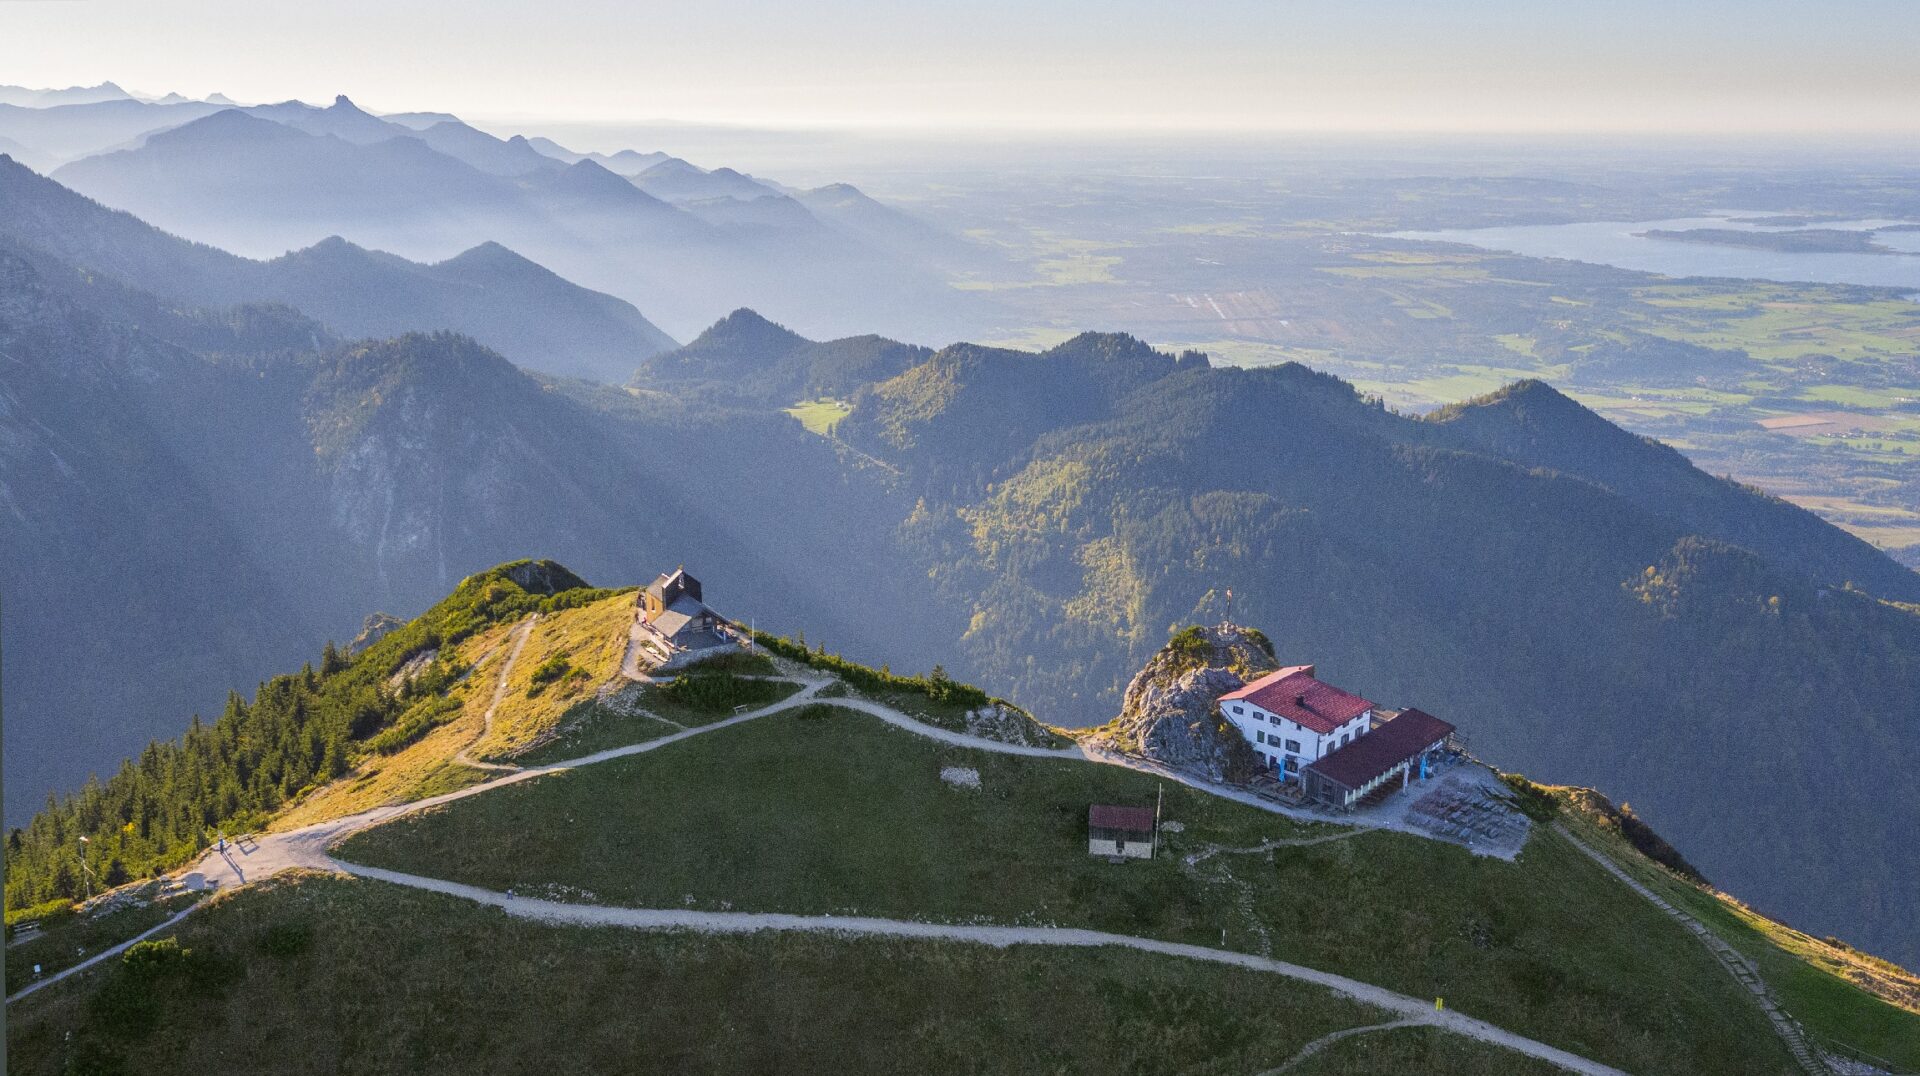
[1168, 712]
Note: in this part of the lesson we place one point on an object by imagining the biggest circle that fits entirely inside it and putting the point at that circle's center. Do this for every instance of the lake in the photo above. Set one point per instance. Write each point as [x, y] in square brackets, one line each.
[1614, 243]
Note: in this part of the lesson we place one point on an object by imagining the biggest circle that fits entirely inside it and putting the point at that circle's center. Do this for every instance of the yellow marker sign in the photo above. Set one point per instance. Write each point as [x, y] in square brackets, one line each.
[1439, 1003]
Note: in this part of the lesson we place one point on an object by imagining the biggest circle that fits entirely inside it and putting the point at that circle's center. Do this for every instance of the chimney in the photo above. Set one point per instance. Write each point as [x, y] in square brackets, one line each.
[1299, 700]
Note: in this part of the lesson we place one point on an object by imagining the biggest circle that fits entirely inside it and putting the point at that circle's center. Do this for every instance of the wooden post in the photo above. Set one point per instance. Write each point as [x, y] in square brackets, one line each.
[1159, 798]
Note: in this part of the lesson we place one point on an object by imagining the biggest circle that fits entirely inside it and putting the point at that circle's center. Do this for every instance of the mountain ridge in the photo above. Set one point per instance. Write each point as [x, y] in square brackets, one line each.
[522, 308]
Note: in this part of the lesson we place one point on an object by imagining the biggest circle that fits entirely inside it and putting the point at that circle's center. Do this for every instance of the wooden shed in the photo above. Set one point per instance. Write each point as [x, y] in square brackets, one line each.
[1121, 832]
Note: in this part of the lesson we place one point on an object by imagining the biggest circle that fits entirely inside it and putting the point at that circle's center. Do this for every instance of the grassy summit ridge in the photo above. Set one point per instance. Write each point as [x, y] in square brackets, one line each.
[298, 733]
[830, 811]
[825, 810]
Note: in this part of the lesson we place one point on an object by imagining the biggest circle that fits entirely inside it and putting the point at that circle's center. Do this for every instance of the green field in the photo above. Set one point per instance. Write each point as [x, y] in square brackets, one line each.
[1782, 322]
[822, 415]
[836, 812]
[323, 974]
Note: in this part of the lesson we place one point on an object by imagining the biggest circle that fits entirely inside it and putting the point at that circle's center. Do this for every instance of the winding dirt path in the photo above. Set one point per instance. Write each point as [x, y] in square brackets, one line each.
[1411, 1010]
[522, 633]
[1325, 1041]
[1194, 859]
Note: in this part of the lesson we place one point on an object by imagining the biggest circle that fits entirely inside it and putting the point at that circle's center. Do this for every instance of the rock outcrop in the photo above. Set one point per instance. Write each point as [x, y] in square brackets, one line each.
[1009, 724]
[1168, 713]
[376, 627]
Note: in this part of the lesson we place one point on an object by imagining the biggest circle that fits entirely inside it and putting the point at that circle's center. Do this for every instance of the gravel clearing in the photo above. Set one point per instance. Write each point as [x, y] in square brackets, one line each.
[961, 776]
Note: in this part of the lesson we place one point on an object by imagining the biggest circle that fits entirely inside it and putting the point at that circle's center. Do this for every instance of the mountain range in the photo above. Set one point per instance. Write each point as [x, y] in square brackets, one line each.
[684, 242]
[511, 304]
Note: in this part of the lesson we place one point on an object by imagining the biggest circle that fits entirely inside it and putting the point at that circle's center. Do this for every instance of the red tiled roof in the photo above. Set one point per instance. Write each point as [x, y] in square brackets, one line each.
[1295, 694]
[1131, 819]
[1373, 754]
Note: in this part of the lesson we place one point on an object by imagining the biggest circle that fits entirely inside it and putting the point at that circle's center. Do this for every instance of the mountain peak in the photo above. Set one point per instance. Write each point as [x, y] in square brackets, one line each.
[1527, 399]
[674, 166]
[587, 175]
[1532, 389]
[491, 253]
[745, 327]
[226, 123]
[334, 243]
[1104, 344]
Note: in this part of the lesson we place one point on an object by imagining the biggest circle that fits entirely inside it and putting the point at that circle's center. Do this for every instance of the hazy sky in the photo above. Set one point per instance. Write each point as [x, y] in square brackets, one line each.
[1420, 65]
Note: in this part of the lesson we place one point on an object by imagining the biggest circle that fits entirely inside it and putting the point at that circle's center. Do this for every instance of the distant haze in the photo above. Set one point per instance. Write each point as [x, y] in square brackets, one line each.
[1757, 66]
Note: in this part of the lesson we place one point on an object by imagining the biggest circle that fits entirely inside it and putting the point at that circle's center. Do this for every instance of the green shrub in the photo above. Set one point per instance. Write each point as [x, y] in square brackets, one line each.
[46, 914]
[555, 667]
[422, 718]
[152, 959]
[1189, 648]
[935, 685]
[717, 694]
[1533, 800]
[1260, 640]
[150, 974]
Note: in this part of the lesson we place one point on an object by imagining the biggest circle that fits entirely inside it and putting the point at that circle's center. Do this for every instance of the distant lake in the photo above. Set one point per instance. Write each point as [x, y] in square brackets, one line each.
[1614, 243]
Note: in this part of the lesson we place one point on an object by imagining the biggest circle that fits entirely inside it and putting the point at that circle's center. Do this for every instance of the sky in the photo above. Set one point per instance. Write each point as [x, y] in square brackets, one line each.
[1756, 66]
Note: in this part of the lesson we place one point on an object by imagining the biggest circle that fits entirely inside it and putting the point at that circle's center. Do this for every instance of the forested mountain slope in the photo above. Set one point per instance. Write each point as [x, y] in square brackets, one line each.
[278, 490]
[1531, 423]
[743, 357]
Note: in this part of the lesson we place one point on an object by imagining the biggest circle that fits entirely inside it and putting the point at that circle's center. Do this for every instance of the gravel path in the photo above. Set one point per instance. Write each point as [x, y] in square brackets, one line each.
[1411, 1010]
[1738, 966]
[522, 633]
